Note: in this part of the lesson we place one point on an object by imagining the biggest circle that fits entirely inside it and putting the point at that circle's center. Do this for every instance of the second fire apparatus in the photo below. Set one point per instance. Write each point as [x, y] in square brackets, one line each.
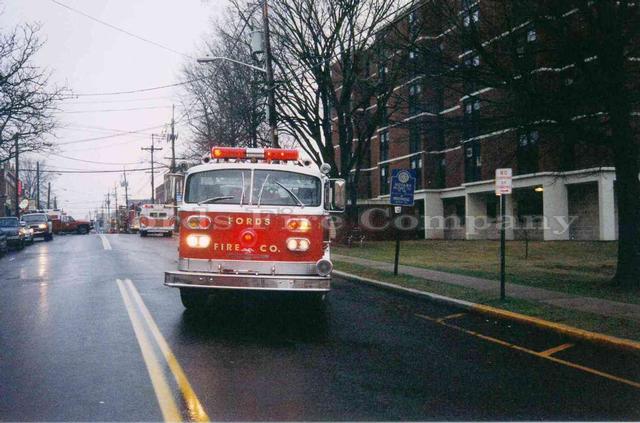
[257, 220]
[156, 219]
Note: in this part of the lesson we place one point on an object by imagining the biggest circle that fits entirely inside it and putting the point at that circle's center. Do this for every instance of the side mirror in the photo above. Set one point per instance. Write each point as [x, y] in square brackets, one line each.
[337, 195]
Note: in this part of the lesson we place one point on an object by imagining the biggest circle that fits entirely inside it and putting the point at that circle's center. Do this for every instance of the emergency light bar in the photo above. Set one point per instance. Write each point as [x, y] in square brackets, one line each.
[254, 153]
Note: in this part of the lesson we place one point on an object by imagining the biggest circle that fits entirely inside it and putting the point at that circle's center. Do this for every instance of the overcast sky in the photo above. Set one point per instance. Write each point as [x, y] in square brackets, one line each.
[90, 57]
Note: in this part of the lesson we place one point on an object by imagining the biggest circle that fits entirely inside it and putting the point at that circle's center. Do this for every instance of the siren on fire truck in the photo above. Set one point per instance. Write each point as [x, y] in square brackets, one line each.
[254, 219]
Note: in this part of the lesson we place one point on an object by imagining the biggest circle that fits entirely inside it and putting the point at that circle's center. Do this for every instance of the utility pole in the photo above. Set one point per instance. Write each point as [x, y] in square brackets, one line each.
[125, 184]
[37, 185]
[271, 99]
[115, 195]
[109, 209]
[173, 139]
[55, 202]
[49, 195]
[17, 179]
[152, 149]
[173, 169]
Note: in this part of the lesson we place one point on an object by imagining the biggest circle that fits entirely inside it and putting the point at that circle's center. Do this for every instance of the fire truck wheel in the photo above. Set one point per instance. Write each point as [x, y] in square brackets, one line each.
[193, 298]
[143, 233]
[168, 234]
[48, 237]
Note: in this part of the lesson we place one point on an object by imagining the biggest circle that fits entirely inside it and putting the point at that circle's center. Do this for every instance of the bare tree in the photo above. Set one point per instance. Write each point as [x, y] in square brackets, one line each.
[224, 103]
[333, 91]
[29, 178]
[27, 98]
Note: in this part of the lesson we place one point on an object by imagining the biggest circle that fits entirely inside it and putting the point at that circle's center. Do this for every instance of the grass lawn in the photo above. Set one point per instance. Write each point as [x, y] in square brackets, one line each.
[587, 321]
[582, 268]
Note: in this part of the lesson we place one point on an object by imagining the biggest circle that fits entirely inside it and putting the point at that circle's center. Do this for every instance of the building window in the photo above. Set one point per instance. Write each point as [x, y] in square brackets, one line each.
[384, 146]
[384, 179]
[471, 15]
[414, 138]
[416, 165]
[471, 120]
[528, 152]
[415, 99]
[472, 162]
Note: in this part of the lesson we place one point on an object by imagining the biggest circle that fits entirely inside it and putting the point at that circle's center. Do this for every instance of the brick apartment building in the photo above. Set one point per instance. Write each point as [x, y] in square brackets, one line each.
[7, 190]
[455, 165]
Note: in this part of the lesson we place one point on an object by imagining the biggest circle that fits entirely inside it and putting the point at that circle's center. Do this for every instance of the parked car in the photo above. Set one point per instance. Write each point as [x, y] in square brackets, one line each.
[15, 233]
[41, 225]
[28, 232]
[3, 244]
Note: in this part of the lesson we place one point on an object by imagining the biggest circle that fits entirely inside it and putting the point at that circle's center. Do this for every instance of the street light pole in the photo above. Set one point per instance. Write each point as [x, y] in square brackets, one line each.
[271, 99]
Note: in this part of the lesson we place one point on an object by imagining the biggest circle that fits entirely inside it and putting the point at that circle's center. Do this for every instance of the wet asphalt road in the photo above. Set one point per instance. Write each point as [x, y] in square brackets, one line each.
[68, 351]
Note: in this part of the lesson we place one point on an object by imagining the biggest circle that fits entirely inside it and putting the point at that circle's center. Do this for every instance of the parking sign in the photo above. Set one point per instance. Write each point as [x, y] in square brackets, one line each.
[503, 181]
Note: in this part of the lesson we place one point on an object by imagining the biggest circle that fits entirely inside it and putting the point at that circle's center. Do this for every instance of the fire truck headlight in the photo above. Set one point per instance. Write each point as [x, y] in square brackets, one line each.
[324, 267]
[298, 244]
[198, 241]
[299, 225]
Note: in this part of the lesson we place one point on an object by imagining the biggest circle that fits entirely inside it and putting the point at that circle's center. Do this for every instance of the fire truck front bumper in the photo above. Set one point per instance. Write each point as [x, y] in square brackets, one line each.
[180, 279]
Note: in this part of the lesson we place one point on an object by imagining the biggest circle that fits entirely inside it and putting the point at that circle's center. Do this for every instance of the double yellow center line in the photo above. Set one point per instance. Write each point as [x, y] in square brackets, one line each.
[143, 326]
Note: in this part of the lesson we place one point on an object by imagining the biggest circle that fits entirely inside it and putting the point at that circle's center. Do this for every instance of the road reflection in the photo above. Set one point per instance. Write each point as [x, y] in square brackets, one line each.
[257, 319]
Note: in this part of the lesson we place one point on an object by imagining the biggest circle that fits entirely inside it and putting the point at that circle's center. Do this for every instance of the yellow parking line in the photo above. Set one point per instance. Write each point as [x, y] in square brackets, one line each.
[451, 316]
[535, 353]
[195, 408]
[554, 350]
[161, 388]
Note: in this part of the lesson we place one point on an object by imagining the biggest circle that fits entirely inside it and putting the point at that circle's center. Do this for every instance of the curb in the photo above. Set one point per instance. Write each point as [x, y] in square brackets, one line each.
[573, 332]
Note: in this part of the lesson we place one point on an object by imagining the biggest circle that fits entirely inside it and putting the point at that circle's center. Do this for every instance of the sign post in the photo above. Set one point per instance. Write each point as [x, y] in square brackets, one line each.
[504, 187]
[403, 186]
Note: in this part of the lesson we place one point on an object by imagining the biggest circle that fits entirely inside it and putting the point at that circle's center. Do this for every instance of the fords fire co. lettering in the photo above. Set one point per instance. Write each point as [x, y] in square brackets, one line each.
[255, 221]
[221, 246]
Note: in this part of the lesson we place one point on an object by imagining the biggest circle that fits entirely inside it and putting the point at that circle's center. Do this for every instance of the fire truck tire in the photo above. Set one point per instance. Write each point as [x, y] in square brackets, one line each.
[193, 299]
[48, 237]
[168, 234]
[143, 233]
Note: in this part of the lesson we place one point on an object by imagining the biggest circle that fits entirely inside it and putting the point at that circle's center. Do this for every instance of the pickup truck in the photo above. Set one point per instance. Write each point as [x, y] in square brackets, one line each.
[70, 225]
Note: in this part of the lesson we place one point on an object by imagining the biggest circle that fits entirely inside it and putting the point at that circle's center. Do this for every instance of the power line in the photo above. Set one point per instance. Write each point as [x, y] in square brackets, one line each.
[131, 100]
[108, 136]
[124, 31]
[115, 110]
[94, 162]
[140, 169]
[140, 90]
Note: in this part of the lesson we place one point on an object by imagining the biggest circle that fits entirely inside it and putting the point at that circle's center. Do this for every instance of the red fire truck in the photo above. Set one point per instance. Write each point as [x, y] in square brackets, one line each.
[156, 219]
[255, 220]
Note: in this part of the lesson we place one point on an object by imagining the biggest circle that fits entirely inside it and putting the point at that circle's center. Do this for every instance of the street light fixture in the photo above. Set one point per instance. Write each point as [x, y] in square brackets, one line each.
[217, 58]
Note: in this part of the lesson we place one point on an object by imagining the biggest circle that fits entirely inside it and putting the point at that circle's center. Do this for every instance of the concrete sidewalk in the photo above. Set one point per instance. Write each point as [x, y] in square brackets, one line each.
[559, 299]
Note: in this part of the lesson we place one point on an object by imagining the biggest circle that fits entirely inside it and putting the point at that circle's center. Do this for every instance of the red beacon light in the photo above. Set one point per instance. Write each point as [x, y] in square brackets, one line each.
[268, 154]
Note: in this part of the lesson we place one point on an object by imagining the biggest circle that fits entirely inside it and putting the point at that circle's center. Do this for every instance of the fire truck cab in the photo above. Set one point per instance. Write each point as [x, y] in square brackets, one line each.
[255, 220]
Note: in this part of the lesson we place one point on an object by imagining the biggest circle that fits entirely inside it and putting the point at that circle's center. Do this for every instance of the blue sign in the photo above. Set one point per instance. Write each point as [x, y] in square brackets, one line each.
[403, 185]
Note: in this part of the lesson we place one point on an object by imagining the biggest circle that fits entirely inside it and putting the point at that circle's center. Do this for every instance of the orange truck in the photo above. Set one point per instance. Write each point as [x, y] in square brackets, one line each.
[255, 220]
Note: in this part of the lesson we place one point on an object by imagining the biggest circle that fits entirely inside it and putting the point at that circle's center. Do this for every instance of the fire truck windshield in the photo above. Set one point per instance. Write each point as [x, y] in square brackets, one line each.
[271, 187]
